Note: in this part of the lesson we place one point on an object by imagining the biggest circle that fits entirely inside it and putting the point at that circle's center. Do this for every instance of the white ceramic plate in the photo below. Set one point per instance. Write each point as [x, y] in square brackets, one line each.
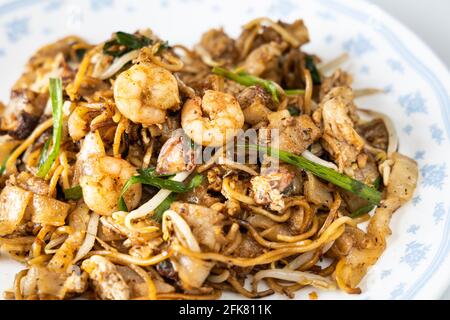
[384, 54]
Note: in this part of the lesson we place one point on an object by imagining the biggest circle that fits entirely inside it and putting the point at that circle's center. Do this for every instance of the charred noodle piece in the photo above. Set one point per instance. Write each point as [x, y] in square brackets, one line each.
[56, 95]
[345, 182]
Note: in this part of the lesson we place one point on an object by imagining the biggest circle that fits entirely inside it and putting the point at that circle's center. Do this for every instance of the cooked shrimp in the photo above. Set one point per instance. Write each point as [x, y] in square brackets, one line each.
[102, 181]
[102, 178]
[145, 92]
[223, 120]
[78, 123]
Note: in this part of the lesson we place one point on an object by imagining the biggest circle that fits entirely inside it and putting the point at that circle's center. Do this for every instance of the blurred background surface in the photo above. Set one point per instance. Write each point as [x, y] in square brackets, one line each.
[429, 19]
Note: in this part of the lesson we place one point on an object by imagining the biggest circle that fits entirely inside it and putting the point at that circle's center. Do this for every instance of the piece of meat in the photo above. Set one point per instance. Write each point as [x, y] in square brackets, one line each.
[375, 133]
[340, 138]
[295, 134]
[108, 282]
[214, 176]
[206, 224]
[248, 248]
[256, 104]
[263, 59]
[271, 187]
[22, 114]
[219, 45]
[76, 283]
[200, 195]
[352, 202]
[339, 78]
[255, 94]
[367, 170]
[352, 237]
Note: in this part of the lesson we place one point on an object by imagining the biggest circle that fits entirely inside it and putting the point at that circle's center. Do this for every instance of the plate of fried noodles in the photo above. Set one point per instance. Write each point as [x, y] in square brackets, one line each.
[220, 150]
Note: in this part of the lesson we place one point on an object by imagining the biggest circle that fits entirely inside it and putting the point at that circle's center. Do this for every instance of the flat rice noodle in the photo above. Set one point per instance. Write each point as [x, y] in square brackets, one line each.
[78, 220]
[317, 192]
[13, 204]
[358, 261]
[401, 188]
[191, 271]
[29, 282]
[42, 282]
[403, 178]
[48, 211]
[89, 239]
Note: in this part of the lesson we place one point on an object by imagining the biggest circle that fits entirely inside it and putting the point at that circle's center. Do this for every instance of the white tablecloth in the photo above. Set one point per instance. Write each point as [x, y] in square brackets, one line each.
[428, 19]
